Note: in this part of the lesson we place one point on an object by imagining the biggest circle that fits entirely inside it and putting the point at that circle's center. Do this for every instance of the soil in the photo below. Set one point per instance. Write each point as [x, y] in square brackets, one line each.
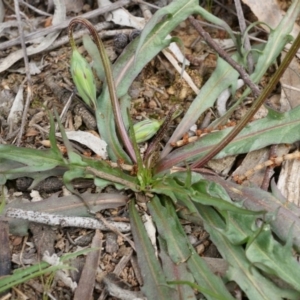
[157, 88]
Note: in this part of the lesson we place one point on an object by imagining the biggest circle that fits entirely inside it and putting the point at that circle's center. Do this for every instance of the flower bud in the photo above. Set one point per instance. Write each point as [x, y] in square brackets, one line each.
[146, 129]
[83, 78]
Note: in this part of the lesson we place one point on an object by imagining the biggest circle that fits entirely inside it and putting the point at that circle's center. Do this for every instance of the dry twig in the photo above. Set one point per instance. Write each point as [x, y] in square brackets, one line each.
[243, 28]
[254, 88]
[269, 169]
[28, 76]
[38, 11]
[63, 25]
[271, 162]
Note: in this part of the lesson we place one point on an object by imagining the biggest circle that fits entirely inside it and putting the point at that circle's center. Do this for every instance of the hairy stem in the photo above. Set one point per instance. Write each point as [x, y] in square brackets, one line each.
[112, 178]
[254, 88]
[254, 108]
[109, 79]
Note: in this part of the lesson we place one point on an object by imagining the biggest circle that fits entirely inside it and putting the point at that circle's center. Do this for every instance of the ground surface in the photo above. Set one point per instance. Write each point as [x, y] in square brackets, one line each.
[153, 93]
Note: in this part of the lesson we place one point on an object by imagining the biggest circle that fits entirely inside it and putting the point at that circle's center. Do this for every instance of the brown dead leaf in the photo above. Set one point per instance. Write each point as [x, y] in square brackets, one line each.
[289, 181]
[268, 11]
[71, 5]
[252, 160]
[48, 22]
[87, 280]
[31, 132]
[119, 288]
[16, 240]
[43, 238]
[46, 143]
[290, 83]
[5, 262]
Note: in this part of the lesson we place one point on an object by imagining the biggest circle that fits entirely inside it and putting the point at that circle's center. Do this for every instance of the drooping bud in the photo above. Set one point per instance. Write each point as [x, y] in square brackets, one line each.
[146, 129]
[83, 78]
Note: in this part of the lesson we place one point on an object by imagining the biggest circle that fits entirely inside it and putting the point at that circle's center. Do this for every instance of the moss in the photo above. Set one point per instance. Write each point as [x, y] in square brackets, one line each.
[36, 102]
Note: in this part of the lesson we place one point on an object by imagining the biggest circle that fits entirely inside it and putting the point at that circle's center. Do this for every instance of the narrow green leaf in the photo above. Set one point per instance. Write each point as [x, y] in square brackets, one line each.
[176, 273]
[2, 199]
[155, 285]
[170, 187]
[245, 274]
[115, 148]
[239, 227]
[33, 160]
[213, 285]
[220, 204]
[277, 39]
[174, 240]
[214, 189]
[286, 214]
[92, 50]
[273, 258]
[146, 129]
[74, 158]
[223, 77]
[52, 137]
[83, 78]
[169, 229]
[164, 19]
[129, 65]
[141, 172]
[23, 275]
[199, 288]
[256, 135]
[174, 186]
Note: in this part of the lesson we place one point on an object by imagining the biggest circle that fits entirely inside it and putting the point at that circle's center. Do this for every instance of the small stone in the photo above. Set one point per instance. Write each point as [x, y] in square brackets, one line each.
[134, 34]
[148, 93]
[171, 90]
[120, 42]
[86, 8]
[152, 104]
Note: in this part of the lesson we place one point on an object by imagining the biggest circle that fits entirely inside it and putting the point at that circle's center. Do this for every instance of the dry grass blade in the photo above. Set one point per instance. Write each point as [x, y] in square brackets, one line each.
[64, 24]
[87, 280]
[59, 16]
[276, 161]
[5, 255]
[28, 76]
[168, 263]
[255, 106]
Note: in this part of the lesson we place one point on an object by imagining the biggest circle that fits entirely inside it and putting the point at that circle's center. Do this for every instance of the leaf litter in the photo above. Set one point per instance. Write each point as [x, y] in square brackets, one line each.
[156, 89]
